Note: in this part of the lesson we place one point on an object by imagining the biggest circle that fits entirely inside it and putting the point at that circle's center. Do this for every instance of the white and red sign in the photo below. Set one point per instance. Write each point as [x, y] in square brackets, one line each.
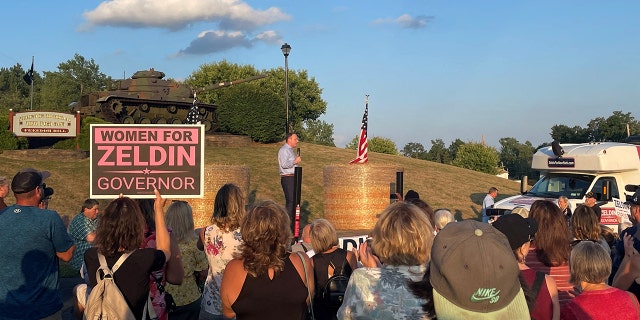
[134, 159]
[44, 124]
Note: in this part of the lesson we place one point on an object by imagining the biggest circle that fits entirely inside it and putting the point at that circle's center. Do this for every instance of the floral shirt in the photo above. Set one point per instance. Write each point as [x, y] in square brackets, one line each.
[157, 297]
[219, 246]
[192, 260]
[382, 293]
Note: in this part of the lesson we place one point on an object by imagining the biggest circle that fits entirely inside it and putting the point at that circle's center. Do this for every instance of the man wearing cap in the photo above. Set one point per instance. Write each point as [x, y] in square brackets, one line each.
[32, 243]
[590, 201]
[618, 250]
[474, 274]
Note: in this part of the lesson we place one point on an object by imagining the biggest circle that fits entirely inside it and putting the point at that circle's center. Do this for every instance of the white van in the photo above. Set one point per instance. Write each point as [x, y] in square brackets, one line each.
[608, 169]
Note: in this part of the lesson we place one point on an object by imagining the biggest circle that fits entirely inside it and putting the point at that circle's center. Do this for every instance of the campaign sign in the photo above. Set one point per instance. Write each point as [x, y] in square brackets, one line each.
[134, 159]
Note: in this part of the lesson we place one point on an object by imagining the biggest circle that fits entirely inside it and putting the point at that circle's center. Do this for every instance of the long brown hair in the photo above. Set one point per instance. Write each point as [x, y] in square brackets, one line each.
[228, 207]
[121, 227]
[552, 239]
[584, 224]
[266, 234]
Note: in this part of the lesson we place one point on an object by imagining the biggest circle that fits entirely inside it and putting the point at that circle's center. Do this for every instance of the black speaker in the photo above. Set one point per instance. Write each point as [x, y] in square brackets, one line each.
[557, 148]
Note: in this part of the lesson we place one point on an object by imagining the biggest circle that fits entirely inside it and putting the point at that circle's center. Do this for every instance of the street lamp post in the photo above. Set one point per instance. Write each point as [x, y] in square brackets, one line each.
[286, 48]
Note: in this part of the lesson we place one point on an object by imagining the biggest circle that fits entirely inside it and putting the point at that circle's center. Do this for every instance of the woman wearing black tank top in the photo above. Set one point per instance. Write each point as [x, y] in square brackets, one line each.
[267, 281]
[329, 260]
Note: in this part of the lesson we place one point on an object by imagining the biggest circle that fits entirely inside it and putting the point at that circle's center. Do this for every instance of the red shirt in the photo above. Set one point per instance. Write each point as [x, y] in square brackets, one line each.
[560, 274]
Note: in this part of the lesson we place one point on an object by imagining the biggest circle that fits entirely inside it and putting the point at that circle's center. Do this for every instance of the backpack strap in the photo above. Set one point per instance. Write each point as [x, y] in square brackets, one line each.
[105, 268]
[304, 267]
[344, 261]
[537, 283]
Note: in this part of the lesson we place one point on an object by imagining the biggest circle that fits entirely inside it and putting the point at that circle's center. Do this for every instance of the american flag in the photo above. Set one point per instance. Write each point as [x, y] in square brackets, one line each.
[363, 146]
[193, 117]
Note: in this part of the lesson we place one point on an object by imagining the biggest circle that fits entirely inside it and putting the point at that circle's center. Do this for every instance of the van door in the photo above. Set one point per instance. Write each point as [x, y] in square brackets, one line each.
[608, 210]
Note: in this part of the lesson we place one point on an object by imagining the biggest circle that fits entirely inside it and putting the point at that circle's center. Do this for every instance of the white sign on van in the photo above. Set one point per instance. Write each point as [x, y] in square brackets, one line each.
[622, 210]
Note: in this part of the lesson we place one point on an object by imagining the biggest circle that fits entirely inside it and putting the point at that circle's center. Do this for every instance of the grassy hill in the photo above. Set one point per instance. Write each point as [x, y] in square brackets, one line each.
[440, 185]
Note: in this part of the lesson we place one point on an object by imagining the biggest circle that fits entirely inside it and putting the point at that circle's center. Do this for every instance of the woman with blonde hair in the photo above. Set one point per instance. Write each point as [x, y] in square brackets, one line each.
[179, 217]
[402, 240]
[221, 242]
[329, 260]
[549, 251]
[267, 281]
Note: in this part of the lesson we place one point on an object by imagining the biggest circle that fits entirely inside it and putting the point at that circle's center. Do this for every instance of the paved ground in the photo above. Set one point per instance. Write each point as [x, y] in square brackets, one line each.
[66, 287]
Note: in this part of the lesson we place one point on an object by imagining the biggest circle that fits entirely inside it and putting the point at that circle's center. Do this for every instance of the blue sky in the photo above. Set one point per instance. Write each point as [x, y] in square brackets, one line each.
[433, 69]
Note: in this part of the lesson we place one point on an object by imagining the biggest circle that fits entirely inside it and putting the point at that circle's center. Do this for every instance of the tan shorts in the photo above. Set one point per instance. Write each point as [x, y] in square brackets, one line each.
[81, 293]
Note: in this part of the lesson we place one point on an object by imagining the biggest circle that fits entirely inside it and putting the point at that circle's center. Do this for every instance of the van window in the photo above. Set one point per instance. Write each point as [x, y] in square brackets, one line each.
[553, 185]
[598, 188]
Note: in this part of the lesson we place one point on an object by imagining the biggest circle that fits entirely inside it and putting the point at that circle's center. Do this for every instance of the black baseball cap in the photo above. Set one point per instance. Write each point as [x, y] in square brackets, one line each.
[634, 200]
[28, 179]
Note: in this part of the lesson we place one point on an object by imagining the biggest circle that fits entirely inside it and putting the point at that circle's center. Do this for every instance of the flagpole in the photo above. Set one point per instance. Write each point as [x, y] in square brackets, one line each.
[31, 105]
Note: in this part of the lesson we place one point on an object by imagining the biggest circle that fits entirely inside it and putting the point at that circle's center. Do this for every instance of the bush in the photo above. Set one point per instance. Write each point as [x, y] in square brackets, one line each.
[241, 111]
[7, 140]
[83, 137]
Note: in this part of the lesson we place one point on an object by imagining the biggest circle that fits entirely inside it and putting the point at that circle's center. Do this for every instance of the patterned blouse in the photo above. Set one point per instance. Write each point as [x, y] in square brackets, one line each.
[382, 293]
[219, 246]
[192, 260]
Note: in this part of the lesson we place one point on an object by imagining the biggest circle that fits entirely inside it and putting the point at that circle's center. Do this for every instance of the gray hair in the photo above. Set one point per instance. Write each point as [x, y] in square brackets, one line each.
[443, 216]
[3, 181]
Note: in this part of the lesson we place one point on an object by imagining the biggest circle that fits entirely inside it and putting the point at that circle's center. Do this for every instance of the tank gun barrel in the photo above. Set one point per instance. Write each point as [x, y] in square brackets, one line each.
[230, 83]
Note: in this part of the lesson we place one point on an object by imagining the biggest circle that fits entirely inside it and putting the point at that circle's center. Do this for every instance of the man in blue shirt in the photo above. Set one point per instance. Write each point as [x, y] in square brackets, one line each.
[487, 202]
[32, 241]
[288, 160]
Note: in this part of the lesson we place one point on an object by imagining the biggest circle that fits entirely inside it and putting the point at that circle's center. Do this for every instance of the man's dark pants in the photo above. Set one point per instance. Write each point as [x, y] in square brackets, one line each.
[289, 187]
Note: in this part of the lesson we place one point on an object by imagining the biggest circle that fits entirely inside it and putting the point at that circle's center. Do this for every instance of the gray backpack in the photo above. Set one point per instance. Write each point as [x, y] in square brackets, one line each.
[105, 301]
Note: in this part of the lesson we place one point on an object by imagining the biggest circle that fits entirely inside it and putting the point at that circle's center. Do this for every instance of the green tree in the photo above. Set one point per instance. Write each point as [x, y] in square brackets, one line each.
[477, 157]
[453, 148]
[565, 134]
[318, 132]
[74, 78]
[15, 92]
[375, 144]
[438, 152]
[305, 102]
[516, 157]
[613, 128]
[414, 150]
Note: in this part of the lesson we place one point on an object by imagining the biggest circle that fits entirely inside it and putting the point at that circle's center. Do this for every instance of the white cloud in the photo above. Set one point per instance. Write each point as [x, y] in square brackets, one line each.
[177, 14]
[406, 21]
[269, 36]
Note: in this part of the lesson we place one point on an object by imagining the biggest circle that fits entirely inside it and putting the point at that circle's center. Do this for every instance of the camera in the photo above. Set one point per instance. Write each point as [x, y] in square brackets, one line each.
[47, 192]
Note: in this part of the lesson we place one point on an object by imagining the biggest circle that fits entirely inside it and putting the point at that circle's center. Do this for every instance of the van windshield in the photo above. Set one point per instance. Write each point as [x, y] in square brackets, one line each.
[554, 185]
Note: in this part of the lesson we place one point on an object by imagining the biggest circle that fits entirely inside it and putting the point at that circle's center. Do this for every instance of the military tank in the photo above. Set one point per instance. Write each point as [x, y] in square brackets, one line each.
[146, 98]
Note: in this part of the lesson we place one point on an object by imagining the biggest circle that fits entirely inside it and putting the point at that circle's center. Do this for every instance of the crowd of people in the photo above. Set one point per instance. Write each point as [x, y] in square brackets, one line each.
[548, 262]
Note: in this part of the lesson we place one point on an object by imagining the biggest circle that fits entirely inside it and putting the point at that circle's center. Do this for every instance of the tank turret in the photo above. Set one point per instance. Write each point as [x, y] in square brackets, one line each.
[147, 98]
